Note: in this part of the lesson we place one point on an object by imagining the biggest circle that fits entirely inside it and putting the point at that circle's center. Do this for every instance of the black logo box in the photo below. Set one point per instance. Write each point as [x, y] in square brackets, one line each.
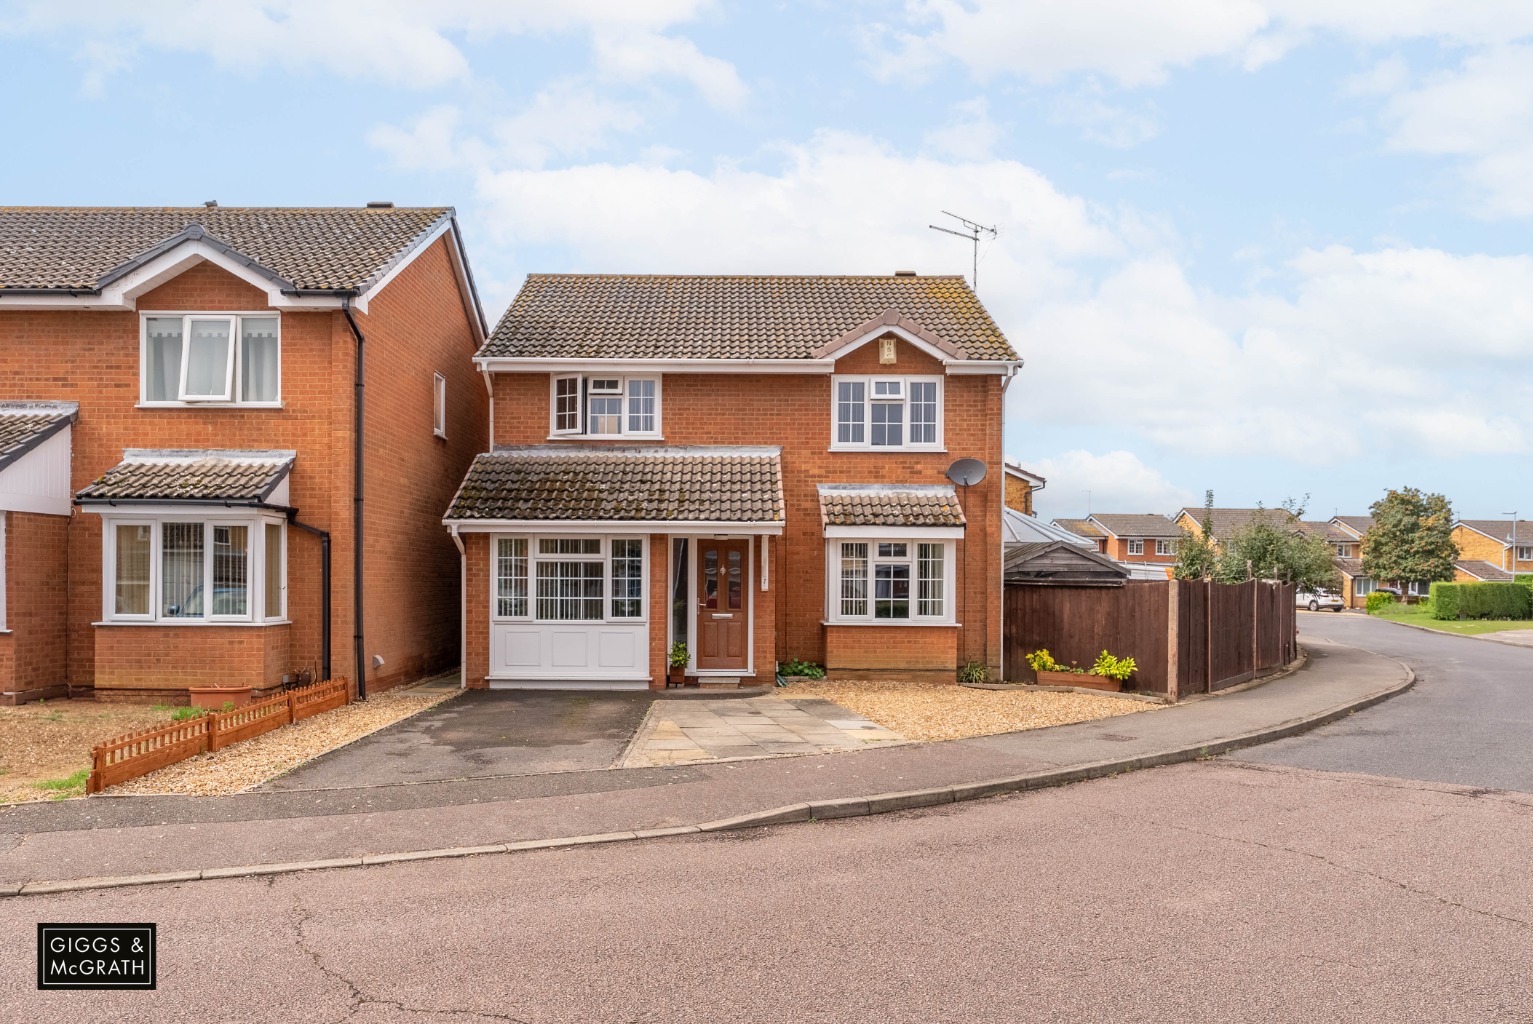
[95, 956]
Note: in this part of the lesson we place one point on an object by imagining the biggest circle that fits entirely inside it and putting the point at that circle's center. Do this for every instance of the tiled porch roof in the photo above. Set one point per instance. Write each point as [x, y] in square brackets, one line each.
[898, 505]
[199, 477]
[25, 425]
[682, 484]
[1483, 570]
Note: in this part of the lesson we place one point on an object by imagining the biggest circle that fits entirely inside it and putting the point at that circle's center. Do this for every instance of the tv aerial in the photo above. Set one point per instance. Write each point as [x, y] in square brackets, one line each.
[972, 231]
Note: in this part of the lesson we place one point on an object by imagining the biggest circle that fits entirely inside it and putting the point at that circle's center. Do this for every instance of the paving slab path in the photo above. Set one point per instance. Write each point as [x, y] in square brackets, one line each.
[107, 836]
[694, 731]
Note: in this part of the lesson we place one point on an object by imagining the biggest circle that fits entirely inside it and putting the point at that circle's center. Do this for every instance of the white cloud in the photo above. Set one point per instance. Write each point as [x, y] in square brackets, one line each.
[968, 134]
[640, 55]
[1115, 481]
[1110, 124]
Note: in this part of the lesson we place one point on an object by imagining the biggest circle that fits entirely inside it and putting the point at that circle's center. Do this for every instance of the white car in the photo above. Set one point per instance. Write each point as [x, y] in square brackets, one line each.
[1318, 599]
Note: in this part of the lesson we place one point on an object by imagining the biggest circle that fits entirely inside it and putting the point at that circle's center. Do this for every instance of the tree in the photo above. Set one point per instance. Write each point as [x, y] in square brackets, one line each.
[1196, 554]
[1411, 538]
[1275, 545]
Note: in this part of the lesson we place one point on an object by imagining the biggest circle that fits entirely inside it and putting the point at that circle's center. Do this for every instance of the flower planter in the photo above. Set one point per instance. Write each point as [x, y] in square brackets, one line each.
[676, 676]
[1087, 681]
[216, 697]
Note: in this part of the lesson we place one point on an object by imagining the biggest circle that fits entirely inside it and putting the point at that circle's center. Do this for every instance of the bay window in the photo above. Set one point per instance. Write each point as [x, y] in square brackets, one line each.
[179, 570]
[886, 412]
[891, 580]
[605, 405]
[221, 358]
[569, 579]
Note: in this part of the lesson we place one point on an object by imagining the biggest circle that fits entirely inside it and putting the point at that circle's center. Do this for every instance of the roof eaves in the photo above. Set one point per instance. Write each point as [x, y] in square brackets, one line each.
[193, 233]
[69, 411]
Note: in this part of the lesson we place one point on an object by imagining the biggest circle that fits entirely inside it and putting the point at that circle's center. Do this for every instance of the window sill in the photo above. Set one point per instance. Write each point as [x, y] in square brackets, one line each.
[939, 450]
[568, 622]
[209, 405]
[606, 437]
[194, 623]
[891, 622]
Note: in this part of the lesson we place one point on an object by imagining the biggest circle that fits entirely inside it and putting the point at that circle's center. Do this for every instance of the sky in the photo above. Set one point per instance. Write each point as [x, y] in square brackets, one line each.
[1275, 248]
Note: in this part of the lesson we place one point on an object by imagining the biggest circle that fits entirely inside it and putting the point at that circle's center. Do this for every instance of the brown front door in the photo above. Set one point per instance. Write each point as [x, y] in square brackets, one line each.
[723, 603]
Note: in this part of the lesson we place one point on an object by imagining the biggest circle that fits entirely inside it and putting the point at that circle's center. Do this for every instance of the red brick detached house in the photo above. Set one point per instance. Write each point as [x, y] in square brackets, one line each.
[179, 391]
[755, 467]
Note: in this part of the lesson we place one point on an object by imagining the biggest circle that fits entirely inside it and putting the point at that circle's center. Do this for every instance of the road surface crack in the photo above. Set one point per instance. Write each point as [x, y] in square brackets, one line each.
[359, 999]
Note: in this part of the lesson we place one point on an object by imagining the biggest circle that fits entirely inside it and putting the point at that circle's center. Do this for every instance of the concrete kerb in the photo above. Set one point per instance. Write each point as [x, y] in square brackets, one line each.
[1488, 637]
[823, 810]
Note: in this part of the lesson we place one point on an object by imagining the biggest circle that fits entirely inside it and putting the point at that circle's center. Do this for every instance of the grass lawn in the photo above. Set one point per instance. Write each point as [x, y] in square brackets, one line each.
[1416, 615]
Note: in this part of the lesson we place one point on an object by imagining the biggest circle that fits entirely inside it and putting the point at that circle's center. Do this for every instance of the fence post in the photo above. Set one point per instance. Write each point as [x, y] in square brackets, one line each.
[292, 706]
[1173, 641]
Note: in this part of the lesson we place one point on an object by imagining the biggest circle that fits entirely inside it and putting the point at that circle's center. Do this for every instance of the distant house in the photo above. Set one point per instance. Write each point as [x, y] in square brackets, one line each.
[1145, 543]
[1500, 542]
[1474, 570]
[1227, 522]
[1020, 486]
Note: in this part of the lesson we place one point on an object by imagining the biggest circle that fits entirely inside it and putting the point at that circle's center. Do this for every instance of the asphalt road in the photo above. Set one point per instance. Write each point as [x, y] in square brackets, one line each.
[1209, 891]
[1467, 721]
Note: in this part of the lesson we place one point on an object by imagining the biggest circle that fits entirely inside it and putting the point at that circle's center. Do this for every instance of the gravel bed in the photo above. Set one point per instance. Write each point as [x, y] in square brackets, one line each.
[238, 768]
[53, 739]
[945, 711]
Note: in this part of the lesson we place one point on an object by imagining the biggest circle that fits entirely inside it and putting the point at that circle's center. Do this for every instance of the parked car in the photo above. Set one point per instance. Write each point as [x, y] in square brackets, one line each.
[1315, 600]
[1389, 590]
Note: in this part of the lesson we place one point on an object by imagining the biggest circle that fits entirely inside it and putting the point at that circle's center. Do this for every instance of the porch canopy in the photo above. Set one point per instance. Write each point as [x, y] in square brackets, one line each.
[658, 489]
[208, 477]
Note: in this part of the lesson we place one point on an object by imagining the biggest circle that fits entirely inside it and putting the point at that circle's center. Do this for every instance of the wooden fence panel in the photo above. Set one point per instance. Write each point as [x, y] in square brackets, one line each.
[1077, 623]
[1192, 641]
[250, 721]
[138, 753]
[311, 700]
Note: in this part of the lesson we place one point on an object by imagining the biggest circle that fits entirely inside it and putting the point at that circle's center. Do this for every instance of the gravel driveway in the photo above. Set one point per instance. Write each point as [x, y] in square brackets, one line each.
[484, 733]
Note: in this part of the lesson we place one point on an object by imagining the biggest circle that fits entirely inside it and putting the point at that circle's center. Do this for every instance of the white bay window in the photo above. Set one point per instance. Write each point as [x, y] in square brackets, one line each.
[605, 405]
[891, 581]
[886, 412]
[187, 570]
[218, 358]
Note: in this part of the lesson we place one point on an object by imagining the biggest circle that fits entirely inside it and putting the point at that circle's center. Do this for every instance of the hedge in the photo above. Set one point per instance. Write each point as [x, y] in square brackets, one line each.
[1481, 601]
[1379, 599]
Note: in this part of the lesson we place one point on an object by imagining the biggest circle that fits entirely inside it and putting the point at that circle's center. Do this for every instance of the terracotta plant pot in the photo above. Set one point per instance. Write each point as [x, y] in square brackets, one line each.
[677, 675]
[216, 697]
[1087, 681]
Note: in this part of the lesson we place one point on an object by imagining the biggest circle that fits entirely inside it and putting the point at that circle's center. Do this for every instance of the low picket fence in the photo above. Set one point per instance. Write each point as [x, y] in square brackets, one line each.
[139, 753]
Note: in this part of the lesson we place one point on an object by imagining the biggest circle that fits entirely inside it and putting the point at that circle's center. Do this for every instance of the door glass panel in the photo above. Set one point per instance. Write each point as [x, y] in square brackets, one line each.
[736, 586]
[679, 592]
[711, 578]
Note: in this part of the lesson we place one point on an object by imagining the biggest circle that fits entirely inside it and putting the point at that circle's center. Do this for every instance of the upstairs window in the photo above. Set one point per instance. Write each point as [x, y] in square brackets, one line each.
[886, 412]
[1524, 554]
[1136, 547]
[438, 405]
[605, 406]
[218, 358]
[1165, 547]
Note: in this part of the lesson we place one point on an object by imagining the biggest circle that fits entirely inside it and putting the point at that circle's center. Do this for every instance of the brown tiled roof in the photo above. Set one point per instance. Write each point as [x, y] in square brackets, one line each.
[1483, 570]
[1082, 527]
[540, 483]
[1501, 529]
[1332, 534]
[1351, 566]
[83, 248]
[1362, 524]
[889, 505]
[200, 477]
[672, 316]
[1229, 521]
[1130, 525]
[25, 425]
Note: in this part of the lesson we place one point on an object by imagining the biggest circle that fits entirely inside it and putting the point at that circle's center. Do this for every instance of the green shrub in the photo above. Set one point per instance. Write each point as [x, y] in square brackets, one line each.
[973, 672]
[807, 669]
[181, 714]
[1113, 668]
[1495, 601]
[678, 655]
[1446, 600]
[1378, 601]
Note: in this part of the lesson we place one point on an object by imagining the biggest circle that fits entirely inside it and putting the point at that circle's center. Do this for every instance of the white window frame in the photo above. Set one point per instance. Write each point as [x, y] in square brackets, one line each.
[1164, 548]
[870, 382]
[582, 412]
[1136, 547]
[534, 556]
[911, 558]
[4, 519]
[256, 614]
[1362, 586]
[236, 368]
[439, 406]
[1523, 553]
[1419, 588]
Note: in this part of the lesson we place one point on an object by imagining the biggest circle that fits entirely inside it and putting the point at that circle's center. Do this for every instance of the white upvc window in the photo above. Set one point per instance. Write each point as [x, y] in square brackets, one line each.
[181, 569]
[1343, 550]
[1524, 554]
[604, 405]
[210, 358]
[1362, 586]
[1136, 547]
[569, 579]
[1165, 547]
[873, 412]
[439, 405]
[877, 580]
[1419, 588]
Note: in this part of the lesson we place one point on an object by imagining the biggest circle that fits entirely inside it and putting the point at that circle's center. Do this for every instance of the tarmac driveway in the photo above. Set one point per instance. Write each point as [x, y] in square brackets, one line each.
[483, 733]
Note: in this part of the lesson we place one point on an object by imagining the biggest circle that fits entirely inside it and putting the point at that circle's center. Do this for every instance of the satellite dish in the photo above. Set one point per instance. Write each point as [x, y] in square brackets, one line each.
[965, 472]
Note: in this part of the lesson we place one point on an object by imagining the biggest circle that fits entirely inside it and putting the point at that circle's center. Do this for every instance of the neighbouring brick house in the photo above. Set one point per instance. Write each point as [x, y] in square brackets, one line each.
[178, 399]
[753, 466]
[1500, 542]
[1020, 487]
[1144, 543]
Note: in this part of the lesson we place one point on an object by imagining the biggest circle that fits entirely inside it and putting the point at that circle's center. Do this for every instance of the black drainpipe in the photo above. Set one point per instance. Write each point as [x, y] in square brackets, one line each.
[356, 506]
[324, 591]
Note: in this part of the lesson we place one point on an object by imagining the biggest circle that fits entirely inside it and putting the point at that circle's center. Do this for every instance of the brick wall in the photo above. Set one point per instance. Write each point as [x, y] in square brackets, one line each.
[132, 661]
[850, 649]
[793, 411]
[417, 325]
[36, 601]
[476, 627]
[1019, 495]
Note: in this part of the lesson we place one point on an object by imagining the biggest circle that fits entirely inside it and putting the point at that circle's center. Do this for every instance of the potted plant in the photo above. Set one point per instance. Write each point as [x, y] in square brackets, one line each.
[1106, 673]
[678, 662]
[215, 697]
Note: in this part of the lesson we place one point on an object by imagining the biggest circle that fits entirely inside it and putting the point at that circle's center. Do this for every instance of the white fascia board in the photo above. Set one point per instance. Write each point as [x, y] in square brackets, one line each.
[897, 532]
[531, 364]
[181, 510]
[608, 526]
[972, 367]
